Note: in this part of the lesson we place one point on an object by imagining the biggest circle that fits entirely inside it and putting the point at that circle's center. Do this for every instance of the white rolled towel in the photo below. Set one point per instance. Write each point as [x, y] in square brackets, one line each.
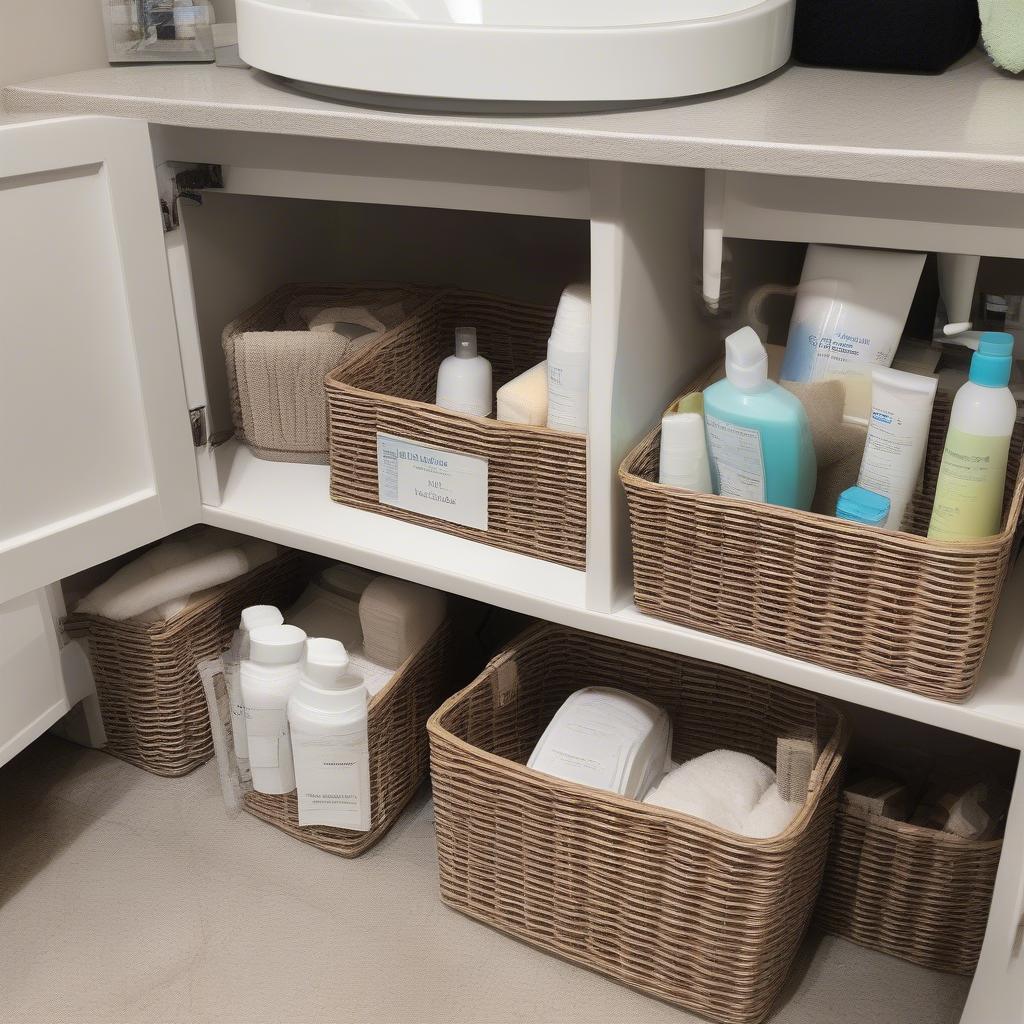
[771, 816]
[722, 787]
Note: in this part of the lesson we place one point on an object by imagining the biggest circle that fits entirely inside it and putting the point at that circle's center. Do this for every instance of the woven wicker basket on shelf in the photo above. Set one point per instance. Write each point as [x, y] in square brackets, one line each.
[154, 710]
[893, 607]
[276, 366]
[537, 491]
[399, 752]
[914, 892]
[671, 905]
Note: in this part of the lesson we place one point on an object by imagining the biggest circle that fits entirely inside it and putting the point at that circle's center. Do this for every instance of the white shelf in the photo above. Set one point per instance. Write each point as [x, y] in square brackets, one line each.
[289, 504]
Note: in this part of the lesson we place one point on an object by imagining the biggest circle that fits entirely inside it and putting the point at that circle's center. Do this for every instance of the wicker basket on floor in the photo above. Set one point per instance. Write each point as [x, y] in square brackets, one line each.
[154, 709]
[893, 607]
[537, 487]
[399, 752]
[913, 892]
[666, 903]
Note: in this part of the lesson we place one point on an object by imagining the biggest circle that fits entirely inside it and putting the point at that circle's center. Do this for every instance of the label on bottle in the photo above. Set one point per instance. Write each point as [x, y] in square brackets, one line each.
[431, 481]
[568, 391]
[266, 728]
[332, 778]
[737, 457]
[969, 492]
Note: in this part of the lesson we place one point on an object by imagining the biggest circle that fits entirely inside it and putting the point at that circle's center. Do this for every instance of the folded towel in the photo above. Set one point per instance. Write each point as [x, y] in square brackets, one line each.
[771, 815]
[173, 570]
[321, 613]
[398, 618]
[965, 808]
[351, 321]
[524, 399]
[721, 787]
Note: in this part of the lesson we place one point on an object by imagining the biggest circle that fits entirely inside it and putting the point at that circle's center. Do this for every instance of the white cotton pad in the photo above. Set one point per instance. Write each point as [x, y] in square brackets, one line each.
[398, 618]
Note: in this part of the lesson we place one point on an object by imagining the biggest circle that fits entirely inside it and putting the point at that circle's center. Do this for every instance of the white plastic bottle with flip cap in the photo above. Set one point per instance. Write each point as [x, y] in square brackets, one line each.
[269, 675]
[253, 617]
[464, 379]
[569, 362]
[327, 712]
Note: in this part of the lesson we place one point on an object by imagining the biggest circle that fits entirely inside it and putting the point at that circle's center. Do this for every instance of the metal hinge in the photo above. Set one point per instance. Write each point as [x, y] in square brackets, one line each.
[176, 180]
[200, 428]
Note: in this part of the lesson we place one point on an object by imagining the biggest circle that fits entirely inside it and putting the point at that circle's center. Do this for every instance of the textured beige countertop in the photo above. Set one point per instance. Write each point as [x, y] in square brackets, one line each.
[963, 128]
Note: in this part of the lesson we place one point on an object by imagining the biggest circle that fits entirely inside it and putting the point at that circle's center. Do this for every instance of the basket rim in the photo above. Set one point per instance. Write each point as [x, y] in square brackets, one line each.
[892, 539]
[909, 830]
[333, 381]
[828, 765]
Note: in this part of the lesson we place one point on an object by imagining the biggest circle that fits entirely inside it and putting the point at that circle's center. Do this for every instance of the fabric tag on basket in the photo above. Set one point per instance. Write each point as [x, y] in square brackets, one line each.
[431, 481]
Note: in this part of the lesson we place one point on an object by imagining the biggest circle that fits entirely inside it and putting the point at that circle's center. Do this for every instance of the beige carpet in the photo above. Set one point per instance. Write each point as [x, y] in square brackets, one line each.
[128, 898]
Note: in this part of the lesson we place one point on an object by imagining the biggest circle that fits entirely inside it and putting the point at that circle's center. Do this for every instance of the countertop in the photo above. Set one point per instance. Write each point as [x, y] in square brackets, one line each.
[963, 128]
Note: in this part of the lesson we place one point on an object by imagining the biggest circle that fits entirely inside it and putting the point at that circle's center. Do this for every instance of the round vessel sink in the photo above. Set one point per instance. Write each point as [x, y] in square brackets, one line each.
[518, 54]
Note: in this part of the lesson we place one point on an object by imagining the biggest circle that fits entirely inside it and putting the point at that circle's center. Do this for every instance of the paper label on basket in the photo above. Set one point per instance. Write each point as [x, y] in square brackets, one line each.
[737, 457]
[332, 778]
[431, 481]
[266, 727]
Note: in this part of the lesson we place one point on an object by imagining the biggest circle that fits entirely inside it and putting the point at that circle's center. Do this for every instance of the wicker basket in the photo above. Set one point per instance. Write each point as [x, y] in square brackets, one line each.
[276, 366]
[399, 752]
[668, 904]
[154, 709]
[914, 892]
[893, 607]
[537, 489]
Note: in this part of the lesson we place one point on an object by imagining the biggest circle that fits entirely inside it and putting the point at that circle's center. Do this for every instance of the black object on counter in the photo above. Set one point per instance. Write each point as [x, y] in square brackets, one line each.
[890, 35]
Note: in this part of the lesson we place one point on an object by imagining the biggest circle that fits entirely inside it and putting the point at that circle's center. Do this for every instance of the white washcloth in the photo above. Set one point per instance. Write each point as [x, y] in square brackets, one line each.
[771, 816]
[322, 613]
[398, 618]
[175, 570]
[722, 787]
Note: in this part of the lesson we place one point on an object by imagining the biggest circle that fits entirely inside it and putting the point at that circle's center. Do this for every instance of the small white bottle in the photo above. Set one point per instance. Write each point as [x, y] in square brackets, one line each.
[269, 675]
[327, 712]
[569, 361]
[683, 460]
[464, 379]
[252, 618]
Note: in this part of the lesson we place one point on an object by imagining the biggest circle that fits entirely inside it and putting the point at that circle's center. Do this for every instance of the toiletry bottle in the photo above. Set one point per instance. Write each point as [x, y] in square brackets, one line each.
[252, 618]
[683, 457]
[464, 379]
[972, 476]
[330, 744]
[759, 440]
[569, 361]
[268, 676]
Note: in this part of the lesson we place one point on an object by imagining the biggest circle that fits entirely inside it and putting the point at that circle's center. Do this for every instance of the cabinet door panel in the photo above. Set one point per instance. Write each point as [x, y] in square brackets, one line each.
[97, 455]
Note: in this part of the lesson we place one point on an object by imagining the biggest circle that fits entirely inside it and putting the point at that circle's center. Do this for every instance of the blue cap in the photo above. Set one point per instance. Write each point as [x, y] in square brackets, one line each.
[990, 365]
[859, 505]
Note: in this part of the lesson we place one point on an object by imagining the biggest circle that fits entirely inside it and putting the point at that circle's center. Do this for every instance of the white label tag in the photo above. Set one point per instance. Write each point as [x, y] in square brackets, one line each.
[431, 481]
[737, 457]
[266, 727]
[332, 775]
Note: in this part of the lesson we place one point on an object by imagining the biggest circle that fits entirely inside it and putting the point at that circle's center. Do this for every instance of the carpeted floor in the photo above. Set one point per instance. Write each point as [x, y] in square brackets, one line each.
[128, 898]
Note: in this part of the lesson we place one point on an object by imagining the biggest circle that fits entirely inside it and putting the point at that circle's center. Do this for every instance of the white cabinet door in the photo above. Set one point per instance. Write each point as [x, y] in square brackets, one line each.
[96, 456]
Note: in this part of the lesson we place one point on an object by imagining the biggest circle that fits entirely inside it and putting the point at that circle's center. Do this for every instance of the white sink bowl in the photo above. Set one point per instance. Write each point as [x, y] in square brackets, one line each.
[519, 53]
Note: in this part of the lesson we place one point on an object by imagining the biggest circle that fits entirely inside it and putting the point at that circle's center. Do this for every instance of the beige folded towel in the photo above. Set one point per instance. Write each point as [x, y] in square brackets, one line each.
[398, 618]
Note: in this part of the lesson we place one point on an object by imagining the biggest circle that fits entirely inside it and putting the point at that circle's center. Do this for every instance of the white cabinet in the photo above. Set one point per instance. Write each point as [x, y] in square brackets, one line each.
[97, 456]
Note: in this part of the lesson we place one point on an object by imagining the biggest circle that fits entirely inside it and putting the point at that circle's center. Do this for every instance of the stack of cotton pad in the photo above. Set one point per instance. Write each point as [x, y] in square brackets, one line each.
[398, 618]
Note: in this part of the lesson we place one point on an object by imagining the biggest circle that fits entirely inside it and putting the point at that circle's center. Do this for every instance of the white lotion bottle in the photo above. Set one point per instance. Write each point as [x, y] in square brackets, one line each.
[253, 617]
[269, 675]
[569, 362]
[327, 713]
[683, 456]
[464, 379]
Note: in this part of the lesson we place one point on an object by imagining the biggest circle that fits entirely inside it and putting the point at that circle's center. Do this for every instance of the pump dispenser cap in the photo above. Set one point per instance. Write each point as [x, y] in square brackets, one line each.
[326, 665]
[465, 342]
[257, 615]
[992, 363]
[276, 645]
[746, 361]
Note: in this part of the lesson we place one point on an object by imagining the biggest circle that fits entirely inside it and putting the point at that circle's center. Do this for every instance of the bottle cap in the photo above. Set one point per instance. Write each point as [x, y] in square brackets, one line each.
[859, 505]
[746, 361]
[276, 645]
[992, 363]
[257, 615]
[326, 665]
[465, 342]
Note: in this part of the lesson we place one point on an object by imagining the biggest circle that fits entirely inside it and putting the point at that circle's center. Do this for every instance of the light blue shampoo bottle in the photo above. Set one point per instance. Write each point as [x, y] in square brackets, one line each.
[759, 441]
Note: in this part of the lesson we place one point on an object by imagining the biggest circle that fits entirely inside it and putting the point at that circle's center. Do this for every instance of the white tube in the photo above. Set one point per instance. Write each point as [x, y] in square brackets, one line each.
[901, 413]
[683, 457]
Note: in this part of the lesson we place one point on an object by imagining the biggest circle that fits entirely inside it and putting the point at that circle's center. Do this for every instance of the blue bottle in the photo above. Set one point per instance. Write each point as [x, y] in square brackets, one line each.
[759, 441]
